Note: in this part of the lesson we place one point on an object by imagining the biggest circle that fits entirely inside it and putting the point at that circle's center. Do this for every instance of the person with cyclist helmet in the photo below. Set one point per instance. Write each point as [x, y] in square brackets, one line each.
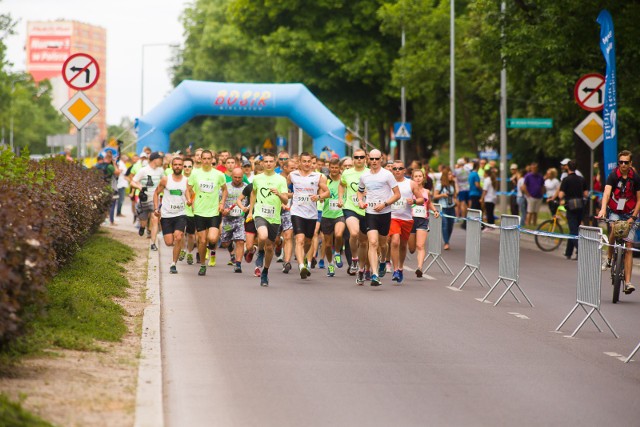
[620, 201]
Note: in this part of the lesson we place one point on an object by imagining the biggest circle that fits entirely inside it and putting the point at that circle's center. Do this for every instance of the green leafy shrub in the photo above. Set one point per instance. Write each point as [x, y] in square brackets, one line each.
[47, 210]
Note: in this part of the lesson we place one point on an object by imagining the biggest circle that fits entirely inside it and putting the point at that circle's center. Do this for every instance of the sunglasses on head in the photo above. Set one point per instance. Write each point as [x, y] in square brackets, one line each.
[624, 162]
[359, 157]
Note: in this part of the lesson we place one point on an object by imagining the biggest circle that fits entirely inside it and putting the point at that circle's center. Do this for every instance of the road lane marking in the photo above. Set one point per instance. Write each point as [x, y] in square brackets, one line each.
[518, 315]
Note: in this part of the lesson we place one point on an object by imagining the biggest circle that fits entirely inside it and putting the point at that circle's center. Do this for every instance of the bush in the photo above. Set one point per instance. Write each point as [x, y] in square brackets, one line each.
[47, 210]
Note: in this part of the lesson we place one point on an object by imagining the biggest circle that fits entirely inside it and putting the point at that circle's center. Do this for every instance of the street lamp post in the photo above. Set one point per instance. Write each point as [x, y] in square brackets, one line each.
[142, 70]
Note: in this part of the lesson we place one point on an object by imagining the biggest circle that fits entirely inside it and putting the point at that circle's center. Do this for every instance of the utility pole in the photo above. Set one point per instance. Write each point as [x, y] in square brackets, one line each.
[503, 121]
[452, 89]
[403, 108]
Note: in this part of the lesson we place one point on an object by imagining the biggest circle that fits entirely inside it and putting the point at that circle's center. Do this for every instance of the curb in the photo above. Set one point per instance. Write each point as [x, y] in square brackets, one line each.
[149, 404]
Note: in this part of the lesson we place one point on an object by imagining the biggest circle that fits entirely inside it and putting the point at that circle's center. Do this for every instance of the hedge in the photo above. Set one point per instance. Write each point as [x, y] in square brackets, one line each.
[47, 210]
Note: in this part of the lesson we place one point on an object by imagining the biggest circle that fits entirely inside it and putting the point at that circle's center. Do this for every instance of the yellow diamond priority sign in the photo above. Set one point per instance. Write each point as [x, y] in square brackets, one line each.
[79, 110]
[590, 130]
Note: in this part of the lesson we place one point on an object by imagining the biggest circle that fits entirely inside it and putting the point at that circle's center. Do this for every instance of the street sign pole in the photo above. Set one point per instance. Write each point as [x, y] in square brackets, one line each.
[591, 185]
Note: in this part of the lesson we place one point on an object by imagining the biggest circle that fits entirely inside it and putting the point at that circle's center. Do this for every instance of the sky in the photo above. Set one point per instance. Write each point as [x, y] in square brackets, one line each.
[130, 24]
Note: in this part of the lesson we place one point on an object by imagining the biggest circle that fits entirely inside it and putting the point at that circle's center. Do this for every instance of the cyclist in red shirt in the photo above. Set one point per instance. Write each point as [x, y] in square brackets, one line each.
[620, 201]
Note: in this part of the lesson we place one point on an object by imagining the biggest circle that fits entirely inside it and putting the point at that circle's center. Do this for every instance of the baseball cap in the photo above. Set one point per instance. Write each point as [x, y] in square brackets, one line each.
[513, 166]
[143, 154]
[155, 155]
[565, 161]
[460, 161]
[246, 163]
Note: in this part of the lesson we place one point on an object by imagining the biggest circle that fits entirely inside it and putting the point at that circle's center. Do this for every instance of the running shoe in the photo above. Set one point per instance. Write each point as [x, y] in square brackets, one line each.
[331, 271]
[396, 276]
[286, 267]
[257, 271]
[173, 269]
[389, 267]
[248, 255]
[154, 247]
[401, 276]
[321, 263]
[375, 281]
[183, 254]
[212, 259]
[628, 288]
[280, 259]
[203, 270]
[606, 265]
[260, 259]
[418, 272]
[189, 259]
[338, 259]
[382, 269]
[367, 275]
[353, 268]
[237, 269]
[264, 280]
[360, 278]
[141, 231]
[232, 261]
[278, 249]
[198, 257]
[314, 262]
[304, 272]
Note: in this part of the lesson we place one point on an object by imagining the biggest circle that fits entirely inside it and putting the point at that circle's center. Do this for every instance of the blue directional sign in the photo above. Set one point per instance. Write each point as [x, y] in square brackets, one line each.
[281, 141]
[402, 131]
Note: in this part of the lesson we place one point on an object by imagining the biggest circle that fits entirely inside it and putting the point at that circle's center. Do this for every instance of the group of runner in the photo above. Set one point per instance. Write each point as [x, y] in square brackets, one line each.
[282, 207]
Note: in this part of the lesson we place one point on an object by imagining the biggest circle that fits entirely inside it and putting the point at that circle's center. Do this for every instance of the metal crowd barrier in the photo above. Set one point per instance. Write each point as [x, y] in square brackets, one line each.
[472, 250]
[434, 243]
[589, 279]
[635, 350]
[509, 260]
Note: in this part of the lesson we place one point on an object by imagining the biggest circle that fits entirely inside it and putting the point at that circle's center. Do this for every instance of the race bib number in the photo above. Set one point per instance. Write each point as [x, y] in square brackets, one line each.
[374, 203]
[302, 199]
[333, 205]
[419, 211]
[236, 211]
[399, 205]
[267, 211]
[207, 187]
[354, 199]
[175, 208]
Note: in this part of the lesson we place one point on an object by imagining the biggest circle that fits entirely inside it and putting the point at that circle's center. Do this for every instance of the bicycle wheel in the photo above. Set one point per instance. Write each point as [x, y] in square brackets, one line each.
[618, 275]
[549, 243]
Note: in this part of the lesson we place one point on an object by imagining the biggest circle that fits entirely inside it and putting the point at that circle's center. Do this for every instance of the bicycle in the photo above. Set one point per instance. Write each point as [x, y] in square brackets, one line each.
[548, 243]
[621, 232]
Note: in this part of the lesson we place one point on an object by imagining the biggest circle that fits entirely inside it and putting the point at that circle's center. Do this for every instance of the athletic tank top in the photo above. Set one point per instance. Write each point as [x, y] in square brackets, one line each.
[303, 188]
[421, 211]
[401, 209]
[174, 199]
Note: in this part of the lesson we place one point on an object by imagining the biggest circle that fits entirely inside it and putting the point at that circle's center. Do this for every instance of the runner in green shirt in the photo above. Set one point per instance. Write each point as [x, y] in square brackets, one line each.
[332, 223]
[207, 193]
[354, 216]
[190, 241]
[268, 195]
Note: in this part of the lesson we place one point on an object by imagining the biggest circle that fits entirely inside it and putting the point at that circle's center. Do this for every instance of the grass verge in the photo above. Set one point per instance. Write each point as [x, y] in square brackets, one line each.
[12, 414]
[81, 307]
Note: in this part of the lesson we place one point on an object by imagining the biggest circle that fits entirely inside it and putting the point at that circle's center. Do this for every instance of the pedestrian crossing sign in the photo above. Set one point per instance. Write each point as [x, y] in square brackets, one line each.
[402, 131]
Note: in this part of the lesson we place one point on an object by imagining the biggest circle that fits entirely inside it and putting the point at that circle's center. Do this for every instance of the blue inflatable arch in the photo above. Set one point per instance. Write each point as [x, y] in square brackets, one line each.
[195, 98]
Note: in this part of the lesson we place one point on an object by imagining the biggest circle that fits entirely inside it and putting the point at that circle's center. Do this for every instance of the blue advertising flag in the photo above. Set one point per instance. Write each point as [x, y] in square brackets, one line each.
[610, 112]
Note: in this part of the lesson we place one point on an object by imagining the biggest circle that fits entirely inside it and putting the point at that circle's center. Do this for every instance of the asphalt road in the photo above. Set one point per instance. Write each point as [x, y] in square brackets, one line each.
[327, 352]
